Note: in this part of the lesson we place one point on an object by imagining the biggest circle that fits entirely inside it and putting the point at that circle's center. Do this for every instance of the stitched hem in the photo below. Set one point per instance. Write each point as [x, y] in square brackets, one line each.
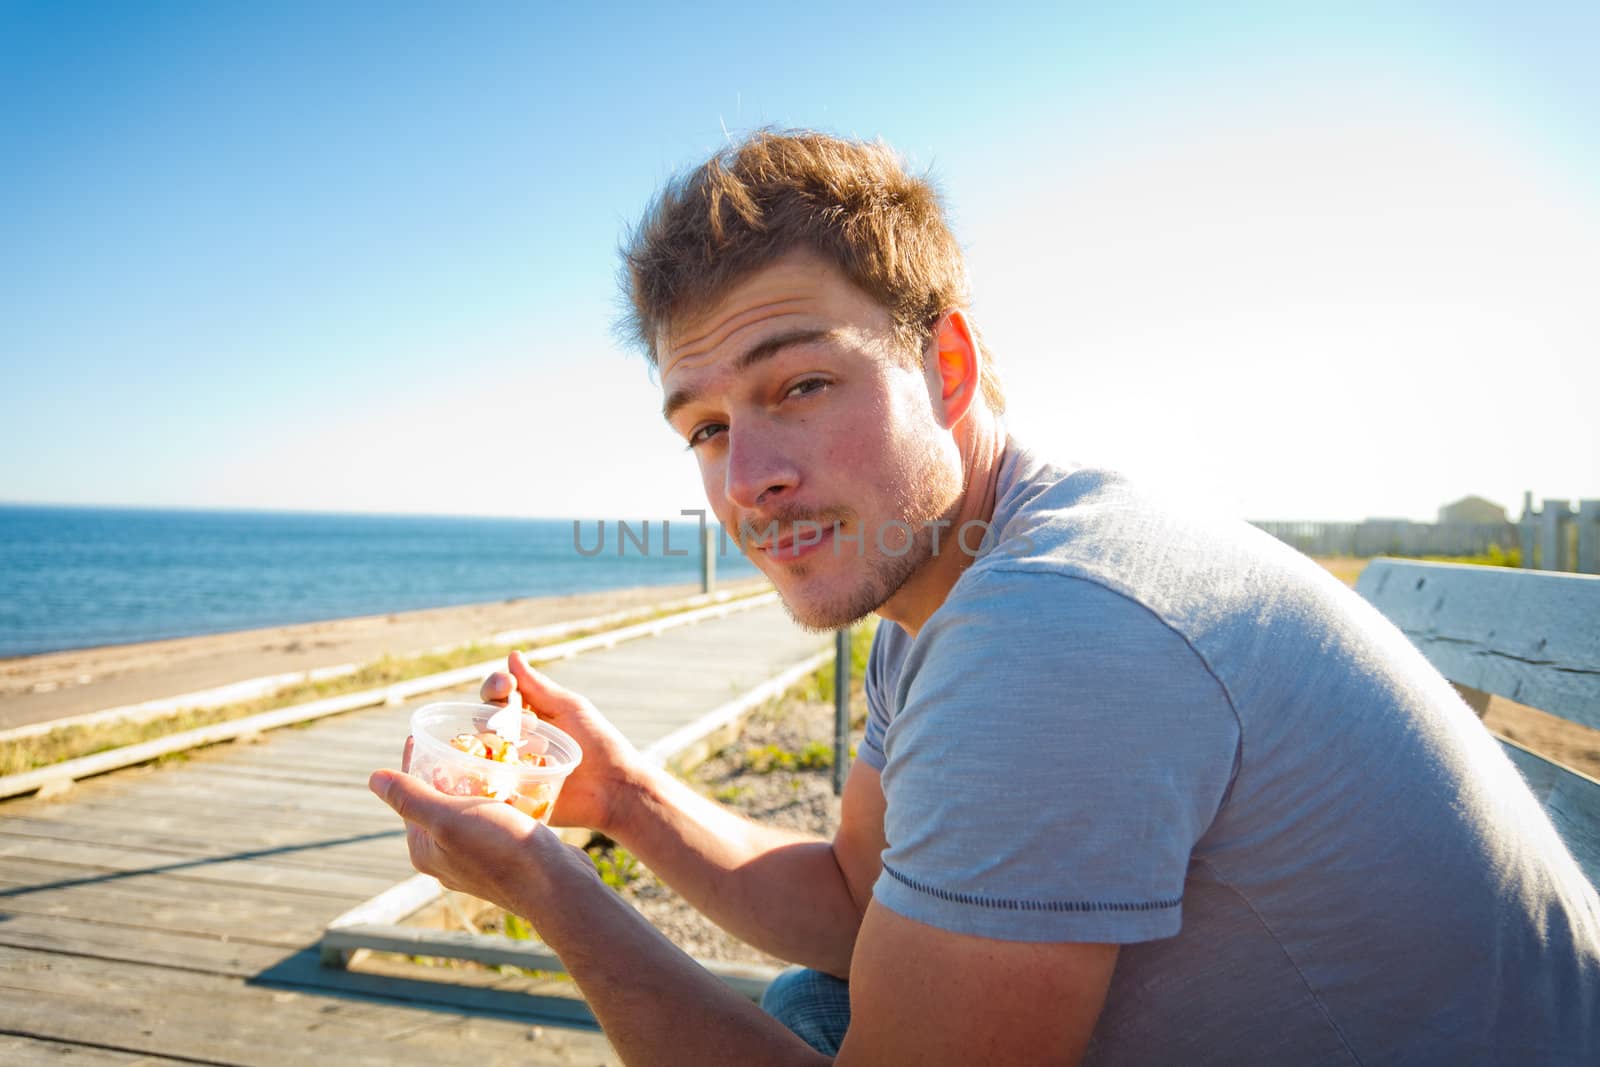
[1009, 904]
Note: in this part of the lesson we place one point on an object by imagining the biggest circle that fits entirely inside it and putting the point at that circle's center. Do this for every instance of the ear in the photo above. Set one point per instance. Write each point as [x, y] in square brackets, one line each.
[954, 367]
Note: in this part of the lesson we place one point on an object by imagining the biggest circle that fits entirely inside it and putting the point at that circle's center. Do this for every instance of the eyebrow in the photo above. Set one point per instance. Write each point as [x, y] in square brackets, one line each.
[766, 350]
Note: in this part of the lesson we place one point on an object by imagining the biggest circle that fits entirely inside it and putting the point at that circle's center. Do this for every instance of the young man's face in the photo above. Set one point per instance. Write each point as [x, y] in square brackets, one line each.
[802, 412]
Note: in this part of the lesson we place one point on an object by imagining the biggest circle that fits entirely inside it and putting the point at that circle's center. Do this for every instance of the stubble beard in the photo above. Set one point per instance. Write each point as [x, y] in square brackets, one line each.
[932, 494]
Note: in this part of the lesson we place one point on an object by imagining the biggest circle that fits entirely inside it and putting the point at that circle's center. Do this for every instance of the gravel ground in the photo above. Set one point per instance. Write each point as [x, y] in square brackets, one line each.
[742, 776]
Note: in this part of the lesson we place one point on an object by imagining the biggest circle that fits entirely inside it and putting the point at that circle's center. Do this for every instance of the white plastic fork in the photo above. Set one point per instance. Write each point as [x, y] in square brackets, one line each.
[507, 722]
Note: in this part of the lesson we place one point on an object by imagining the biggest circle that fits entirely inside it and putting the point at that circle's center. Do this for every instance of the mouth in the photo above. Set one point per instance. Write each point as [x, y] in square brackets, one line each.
[798, 544]
[794, 540]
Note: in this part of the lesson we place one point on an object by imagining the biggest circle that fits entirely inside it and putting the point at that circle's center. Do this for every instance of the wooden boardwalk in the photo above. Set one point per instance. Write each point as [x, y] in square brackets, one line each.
[171, 913]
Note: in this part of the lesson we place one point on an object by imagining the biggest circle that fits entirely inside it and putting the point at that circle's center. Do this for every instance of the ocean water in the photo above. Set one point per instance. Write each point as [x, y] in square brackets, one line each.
[81, 577]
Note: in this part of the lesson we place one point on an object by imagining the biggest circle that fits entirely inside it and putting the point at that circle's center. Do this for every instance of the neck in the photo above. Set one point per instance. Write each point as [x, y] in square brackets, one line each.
[982, 449]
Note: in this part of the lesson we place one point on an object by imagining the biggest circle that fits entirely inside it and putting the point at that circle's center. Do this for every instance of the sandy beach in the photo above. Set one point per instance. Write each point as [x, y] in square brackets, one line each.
[58, 684]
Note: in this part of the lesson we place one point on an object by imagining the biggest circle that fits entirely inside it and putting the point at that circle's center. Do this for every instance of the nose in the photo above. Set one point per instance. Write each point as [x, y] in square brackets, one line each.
[759, 470]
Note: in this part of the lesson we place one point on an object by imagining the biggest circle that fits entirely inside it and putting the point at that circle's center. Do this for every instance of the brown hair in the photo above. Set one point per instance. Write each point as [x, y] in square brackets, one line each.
[852, 202]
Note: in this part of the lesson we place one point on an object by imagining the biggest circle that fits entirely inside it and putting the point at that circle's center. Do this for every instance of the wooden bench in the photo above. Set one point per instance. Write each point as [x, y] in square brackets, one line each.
[1532, 637]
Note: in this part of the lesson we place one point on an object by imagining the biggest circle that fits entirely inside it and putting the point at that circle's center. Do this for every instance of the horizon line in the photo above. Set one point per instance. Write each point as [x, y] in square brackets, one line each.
[243, 509]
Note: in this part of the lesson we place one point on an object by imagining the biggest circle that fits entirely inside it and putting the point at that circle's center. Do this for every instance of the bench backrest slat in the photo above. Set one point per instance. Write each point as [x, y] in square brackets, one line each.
[1528, 636]
[1571, 800]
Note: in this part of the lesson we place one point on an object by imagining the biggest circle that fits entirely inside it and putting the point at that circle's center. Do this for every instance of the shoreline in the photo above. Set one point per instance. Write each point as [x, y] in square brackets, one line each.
[53, 685]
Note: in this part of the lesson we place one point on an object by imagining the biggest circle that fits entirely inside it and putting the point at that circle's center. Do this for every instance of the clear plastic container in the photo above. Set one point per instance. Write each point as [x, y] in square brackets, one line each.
[531, 789]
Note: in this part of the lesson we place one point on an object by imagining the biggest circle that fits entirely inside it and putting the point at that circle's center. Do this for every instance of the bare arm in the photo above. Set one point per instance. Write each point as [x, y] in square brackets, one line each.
[796, 897]
[927, 996]
[655, 1003]
[799, 898]
[918, 994]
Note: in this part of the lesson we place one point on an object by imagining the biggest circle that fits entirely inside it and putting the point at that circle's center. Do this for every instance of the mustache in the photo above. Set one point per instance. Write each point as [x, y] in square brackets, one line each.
[774, 525]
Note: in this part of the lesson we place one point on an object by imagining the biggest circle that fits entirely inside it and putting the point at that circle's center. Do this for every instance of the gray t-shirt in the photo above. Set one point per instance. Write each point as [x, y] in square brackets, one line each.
[1129, 724]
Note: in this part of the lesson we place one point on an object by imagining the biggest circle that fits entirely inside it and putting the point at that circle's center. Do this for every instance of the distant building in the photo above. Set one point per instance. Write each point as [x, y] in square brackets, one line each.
[1472, 511]
[1471, 526]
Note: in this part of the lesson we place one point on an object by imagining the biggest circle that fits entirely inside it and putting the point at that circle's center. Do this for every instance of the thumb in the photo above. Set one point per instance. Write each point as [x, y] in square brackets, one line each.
[412, 800]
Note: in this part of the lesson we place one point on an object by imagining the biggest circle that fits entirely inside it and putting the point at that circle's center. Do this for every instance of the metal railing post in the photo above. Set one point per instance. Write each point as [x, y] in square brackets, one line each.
[708, 559]
[841, 708]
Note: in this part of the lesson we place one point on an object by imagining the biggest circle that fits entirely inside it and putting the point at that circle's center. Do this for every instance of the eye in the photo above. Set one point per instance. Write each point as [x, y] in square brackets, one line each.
[807, 386]
[703, 433]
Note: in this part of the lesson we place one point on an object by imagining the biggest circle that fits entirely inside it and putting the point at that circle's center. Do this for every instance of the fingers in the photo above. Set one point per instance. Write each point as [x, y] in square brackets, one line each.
[496, 688]
[405, 754]
[541, 693]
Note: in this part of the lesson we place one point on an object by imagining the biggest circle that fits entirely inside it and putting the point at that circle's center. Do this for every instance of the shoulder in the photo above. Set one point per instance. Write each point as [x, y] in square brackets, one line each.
[1055, 648]
[1198, 572]
[1072, 715]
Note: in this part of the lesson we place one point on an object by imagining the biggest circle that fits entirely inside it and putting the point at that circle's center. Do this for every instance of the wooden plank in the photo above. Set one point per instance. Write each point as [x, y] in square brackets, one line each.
[318, 752]
[240, 829]
[395, 903]
[87, 766]
[363, 1020]
[317, 755]
[290, 869]
[284, 778]
[1529, 636]
[1572, 801]
[268, 778]
[656, 667]
[548, 999]
[337, 768]
[370, 853]
[288, 779]
[352, 766]
[351, 772]
[30, 1052]
[375, 739]
[180, 831]
[167, 780]
[750, 980]
[218, 788]
[199, 952]
[353, 808]
[379, 853]
[222, 870]
[264, 915]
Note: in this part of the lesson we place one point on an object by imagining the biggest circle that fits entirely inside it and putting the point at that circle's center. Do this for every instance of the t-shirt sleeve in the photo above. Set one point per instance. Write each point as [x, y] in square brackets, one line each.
[1058, 752]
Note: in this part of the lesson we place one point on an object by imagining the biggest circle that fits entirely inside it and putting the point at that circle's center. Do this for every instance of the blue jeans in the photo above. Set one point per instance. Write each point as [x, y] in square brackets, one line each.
[814, 1005]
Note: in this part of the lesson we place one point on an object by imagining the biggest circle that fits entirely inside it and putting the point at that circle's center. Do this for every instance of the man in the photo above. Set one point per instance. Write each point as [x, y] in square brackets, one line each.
[1136, 787]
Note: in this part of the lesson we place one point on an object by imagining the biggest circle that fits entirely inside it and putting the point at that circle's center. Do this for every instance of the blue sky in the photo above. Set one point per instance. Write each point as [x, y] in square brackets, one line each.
[1307, 263]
